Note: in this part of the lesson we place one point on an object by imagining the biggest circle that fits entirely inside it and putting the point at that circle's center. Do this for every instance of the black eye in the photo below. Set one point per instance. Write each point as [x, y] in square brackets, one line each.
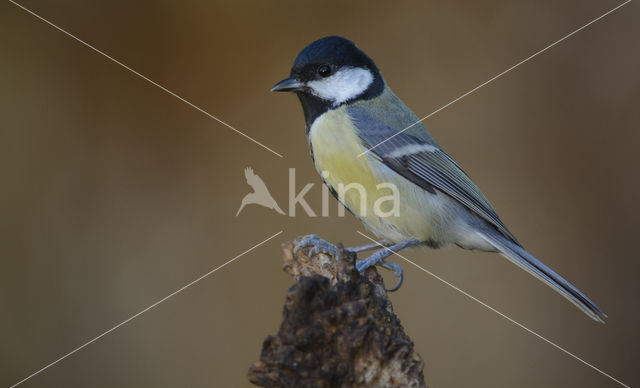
[324, 71]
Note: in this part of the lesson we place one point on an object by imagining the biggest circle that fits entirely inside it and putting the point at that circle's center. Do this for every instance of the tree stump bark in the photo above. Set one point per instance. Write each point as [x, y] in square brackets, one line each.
[338, 330]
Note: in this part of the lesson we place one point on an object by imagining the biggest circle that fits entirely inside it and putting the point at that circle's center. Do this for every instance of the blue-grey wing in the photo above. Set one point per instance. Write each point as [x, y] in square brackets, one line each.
[423, 163]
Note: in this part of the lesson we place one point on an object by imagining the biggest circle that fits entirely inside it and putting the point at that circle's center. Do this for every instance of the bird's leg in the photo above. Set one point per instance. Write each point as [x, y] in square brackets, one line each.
[378, 258]
[382, 254]
[369, 247]
[320, 245]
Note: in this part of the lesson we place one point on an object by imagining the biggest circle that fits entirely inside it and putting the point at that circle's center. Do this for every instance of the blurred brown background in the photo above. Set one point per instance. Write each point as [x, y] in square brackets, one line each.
[114, 193]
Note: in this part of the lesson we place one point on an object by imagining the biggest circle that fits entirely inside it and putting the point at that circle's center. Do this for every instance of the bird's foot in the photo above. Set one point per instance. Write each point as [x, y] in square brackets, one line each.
[322, 246]
[397, 270]
[378, 258]
[318, 246]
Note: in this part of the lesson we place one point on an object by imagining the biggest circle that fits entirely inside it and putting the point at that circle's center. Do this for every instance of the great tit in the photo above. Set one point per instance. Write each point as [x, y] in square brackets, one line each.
[360, 132]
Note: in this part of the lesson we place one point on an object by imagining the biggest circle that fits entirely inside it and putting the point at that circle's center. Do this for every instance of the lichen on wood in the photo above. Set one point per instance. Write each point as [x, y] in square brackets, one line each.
[338, 330]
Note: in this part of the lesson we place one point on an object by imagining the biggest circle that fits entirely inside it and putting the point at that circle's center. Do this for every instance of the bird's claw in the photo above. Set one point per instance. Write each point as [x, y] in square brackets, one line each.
[378, 259]
[318, 246]
[397, 270]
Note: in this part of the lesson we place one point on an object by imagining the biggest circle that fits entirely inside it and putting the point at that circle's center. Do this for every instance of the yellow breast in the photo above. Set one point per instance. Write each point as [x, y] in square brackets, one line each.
[336, 147]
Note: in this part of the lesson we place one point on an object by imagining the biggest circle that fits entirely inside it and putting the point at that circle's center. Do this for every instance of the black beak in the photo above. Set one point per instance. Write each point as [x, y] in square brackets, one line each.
[287, 85]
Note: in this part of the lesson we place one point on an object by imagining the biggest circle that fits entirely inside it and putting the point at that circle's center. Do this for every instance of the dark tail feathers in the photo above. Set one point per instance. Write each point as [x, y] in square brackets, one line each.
[526, 261]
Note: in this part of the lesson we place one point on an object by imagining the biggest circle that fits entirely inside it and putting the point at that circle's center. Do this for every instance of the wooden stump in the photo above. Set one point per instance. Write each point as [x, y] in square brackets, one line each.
[338, 330]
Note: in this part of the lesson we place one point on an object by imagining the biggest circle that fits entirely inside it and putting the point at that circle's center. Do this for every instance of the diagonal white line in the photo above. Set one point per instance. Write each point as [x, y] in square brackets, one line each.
[497, 76]
[143, 311]
[499, 313]
[145, 78]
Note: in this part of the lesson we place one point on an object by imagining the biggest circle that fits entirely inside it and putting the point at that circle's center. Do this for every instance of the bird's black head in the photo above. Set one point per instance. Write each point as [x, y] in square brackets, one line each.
[330, 72]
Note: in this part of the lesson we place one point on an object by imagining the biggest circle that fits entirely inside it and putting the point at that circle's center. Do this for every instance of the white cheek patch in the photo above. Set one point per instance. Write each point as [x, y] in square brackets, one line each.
[411, 149]
[344, 85]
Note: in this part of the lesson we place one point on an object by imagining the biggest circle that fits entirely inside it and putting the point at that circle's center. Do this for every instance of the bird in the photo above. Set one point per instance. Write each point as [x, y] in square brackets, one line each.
[360, 132]
[260, 194]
